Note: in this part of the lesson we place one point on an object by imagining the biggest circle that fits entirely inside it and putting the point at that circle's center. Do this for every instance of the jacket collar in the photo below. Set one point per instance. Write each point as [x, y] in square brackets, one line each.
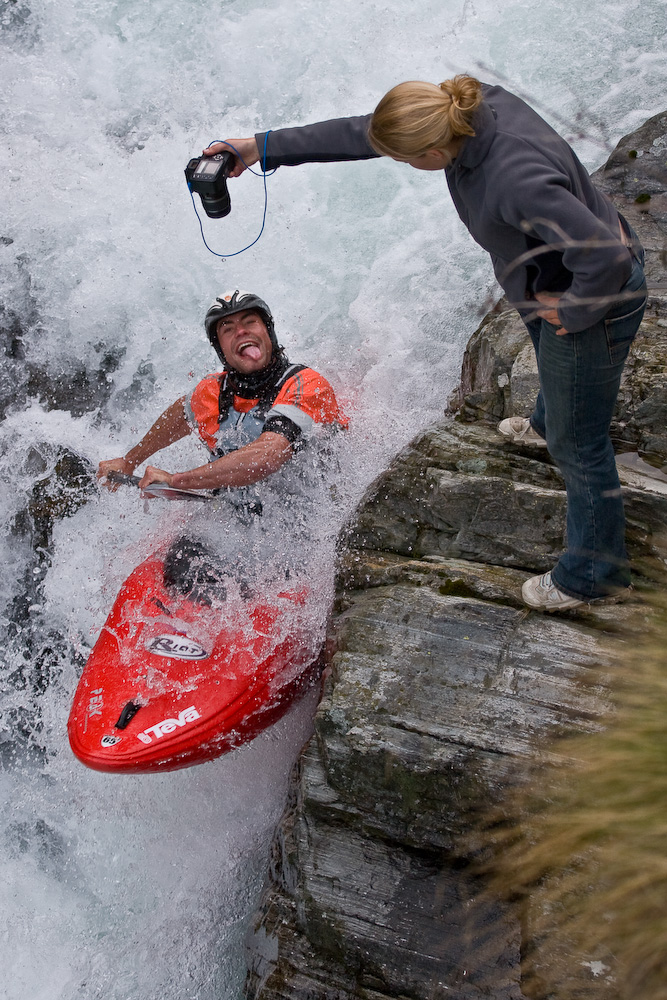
[476, 147]
[253, 385]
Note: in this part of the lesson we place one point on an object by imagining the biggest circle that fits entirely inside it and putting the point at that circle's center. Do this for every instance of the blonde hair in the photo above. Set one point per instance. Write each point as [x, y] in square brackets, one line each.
[415, 116]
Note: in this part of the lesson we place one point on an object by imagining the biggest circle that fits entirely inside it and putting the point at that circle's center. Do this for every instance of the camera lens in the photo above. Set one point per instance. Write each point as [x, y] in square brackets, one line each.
[218, 207]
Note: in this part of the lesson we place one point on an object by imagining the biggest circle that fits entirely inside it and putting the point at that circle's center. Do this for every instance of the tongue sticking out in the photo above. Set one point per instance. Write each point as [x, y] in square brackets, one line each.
[251, 352]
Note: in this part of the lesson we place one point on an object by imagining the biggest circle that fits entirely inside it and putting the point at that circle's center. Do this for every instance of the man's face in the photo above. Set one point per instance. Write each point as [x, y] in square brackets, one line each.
[245, 342]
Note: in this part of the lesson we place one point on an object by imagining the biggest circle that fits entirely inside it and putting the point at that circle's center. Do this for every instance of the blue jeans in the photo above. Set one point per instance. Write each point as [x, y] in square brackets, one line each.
[580, 374]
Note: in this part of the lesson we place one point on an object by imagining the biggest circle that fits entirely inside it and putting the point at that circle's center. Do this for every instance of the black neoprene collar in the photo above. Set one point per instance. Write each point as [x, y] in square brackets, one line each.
[251, 386]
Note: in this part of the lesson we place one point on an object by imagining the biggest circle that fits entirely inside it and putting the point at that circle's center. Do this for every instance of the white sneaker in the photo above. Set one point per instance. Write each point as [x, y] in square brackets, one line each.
[539, 592]
[519, 430]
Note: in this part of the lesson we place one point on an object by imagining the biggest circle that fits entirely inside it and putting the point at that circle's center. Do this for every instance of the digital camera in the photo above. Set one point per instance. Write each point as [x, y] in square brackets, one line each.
[207, 177]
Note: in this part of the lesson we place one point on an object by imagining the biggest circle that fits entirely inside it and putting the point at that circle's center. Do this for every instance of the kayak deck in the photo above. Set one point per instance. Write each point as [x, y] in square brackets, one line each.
[177, 679]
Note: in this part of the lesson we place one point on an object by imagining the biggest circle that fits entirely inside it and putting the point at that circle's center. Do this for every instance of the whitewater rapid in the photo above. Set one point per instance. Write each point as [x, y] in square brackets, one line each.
[136, 888]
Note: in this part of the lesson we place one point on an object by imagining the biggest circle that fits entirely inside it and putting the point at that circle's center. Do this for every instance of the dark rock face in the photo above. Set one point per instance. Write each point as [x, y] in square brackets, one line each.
[443, 687]
[485, 391]
[634, 178]
[460, 492]
[35, 653]
[430, 698]
[377, 919]
[27, 371]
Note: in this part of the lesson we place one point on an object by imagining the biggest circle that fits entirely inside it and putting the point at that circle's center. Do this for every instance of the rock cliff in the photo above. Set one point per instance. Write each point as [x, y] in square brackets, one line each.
[441, 687]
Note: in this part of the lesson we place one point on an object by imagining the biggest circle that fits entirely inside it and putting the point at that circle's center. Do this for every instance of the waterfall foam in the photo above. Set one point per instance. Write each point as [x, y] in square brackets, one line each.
[141, 887]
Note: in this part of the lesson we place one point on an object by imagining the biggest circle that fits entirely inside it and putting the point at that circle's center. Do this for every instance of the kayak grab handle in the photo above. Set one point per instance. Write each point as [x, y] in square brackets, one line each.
[127, 715]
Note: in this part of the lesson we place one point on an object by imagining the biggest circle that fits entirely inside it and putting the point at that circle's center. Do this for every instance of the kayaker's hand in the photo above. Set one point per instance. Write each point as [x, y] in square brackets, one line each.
[113, 465]
[153, 475]
[245, 153]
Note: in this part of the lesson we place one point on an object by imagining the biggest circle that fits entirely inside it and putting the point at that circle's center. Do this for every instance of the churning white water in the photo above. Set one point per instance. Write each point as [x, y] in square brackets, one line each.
[136, 888]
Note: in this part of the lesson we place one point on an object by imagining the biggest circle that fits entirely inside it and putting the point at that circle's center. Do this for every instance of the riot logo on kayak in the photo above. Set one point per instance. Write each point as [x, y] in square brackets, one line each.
[169, 725]
[180, 646]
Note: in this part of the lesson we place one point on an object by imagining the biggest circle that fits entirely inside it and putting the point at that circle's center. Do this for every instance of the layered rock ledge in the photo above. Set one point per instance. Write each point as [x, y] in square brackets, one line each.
[443, 687]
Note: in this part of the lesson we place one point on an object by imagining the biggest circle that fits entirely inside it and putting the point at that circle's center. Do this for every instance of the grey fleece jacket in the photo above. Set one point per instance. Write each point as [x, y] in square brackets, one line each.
[522, 194]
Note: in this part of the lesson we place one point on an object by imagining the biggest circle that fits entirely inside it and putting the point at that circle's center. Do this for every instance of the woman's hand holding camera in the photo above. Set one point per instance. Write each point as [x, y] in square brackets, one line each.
[244, 151]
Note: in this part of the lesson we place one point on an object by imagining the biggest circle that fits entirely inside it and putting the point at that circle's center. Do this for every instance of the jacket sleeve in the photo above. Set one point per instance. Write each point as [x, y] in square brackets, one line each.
[305, 403]
[537, 199]
[332, 141]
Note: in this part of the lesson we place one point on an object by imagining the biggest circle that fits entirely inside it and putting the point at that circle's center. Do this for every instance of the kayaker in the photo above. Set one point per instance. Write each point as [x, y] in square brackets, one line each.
[253, 416]
[566, 259]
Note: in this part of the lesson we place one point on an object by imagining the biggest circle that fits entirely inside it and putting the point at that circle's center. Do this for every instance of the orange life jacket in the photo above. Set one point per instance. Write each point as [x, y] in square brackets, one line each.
[296, 405]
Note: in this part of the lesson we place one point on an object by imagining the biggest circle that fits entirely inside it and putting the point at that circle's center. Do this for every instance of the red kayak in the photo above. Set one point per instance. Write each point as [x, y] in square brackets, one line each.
[181, 673]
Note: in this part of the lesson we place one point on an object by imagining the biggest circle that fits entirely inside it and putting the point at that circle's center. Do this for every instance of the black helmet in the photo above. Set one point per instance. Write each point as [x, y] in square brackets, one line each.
[235, 302]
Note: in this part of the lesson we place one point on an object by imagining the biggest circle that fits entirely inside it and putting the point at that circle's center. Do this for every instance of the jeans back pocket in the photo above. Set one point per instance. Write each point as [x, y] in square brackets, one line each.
[622, 330]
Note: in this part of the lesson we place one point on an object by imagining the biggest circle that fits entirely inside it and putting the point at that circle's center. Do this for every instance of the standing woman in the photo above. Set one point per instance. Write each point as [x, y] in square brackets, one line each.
[565, 258]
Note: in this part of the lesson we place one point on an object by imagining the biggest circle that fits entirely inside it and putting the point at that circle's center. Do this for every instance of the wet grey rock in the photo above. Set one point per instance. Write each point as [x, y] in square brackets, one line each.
[432, 696]
[484, 392]
[434, 705]
[386, 920]
[17, 312]
[460, 491]
[18, 26]
[442, 688]
[34, 653]
[524, 382]
[73, 387]
[634, 177]
[67, 481]
[640, 423]
[26, 372]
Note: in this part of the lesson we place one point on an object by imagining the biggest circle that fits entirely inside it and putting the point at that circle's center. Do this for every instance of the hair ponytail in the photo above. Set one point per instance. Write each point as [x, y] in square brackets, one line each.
[465, 95]
[416, 116]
